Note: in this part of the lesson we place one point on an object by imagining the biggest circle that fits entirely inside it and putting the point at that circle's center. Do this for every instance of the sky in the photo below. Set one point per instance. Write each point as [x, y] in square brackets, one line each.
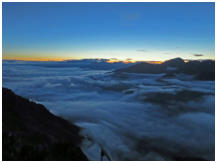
[139, 31]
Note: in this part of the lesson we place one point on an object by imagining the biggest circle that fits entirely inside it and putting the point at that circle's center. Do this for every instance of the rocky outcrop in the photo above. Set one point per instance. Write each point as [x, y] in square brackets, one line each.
[31, 132]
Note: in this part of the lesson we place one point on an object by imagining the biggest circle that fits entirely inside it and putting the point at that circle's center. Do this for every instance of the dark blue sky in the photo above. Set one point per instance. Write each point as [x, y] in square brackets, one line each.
[141, 31]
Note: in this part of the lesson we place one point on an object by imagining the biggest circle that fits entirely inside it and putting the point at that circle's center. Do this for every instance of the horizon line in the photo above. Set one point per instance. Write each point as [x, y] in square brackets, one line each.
[109, 60]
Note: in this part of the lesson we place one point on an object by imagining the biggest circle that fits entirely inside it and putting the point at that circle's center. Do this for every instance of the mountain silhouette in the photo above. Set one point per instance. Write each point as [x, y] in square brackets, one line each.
[201, 70]
[176, 62]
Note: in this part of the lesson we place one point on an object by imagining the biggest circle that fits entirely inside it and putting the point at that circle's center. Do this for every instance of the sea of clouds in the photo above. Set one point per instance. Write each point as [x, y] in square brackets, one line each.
[128, 116]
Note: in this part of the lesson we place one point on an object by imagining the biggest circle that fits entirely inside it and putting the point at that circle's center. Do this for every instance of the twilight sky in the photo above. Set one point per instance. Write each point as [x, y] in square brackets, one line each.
[140, 31]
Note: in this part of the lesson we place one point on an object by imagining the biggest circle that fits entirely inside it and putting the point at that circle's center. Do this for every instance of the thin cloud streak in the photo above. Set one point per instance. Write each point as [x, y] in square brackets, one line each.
[198, 55]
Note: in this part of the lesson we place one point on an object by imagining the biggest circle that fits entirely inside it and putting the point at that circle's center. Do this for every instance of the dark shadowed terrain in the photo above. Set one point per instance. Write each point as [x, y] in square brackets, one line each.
[201, 70]
[31, 132]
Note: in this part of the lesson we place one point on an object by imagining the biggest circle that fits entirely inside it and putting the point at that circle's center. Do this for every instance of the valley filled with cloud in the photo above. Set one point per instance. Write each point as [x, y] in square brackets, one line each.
[131, 116]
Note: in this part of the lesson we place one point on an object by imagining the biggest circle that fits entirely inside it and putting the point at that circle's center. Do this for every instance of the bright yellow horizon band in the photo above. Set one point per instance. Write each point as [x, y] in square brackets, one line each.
[61, 58]
[33, 59]
[23, 58]
[64, 59]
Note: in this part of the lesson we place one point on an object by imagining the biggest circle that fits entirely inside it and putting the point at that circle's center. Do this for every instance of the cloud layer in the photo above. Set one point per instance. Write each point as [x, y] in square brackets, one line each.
[123, 113]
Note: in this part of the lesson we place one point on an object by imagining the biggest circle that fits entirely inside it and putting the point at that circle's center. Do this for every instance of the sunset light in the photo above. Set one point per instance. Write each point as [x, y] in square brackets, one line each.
[108, 81]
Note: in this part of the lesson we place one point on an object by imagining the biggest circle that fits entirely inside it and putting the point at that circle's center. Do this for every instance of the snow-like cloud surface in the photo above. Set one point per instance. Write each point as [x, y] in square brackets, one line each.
[130, 116]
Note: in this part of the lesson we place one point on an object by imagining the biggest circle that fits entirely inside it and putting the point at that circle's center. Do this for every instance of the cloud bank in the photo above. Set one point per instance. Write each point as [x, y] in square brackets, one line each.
[130, 116]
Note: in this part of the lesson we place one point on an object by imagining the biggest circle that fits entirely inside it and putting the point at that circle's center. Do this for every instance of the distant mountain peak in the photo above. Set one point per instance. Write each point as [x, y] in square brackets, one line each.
[202, 70]
[178, 59]
[176, 62]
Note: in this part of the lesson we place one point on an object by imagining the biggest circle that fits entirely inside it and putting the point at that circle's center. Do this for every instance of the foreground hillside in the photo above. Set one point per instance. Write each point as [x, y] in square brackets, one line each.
[31, 132]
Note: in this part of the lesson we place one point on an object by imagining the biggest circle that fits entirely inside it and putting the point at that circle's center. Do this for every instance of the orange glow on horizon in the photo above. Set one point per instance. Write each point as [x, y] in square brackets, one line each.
[155, 62]
[112, 60]
[45, 59]
[117, 60]
[35, 59]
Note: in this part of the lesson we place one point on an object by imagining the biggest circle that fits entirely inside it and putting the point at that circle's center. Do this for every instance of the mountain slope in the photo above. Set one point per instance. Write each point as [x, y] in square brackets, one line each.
[201, 70]
[31, 132]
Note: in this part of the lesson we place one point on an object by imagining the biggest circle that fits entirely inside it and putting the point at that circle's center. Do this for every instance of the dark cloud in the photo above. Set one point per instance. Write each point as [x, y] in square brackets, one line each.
[198, 55]
[141, 50]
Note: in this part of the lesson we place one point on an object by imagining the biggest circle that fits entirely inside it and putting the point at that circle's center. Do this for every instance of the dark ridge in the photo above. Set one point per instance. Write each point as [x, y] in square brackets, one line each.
[30, 132]
[201, 70]
[176, 62]
[144, 68]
